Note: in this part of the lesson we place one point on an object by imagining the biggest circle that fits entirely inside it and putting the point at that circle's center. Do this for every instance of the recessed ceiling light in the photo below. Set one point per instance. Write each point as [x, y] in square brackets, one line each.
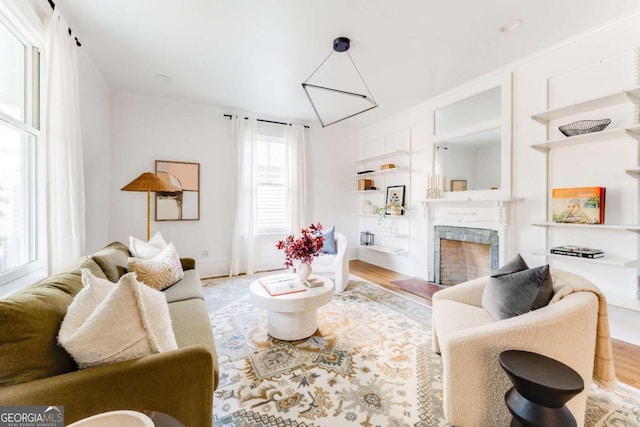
[162, 78]
[512, 25]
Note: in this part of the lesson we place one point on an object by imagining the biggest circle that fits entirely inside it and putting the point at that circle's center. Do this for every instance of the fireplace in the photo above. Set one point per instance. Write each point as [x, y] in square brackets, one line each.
[463, 253]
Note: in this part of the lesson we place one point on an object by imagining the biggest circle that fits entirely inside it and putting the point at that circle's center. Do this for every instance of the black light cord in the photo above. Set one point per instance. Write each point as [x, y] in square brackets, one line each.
[53, 6]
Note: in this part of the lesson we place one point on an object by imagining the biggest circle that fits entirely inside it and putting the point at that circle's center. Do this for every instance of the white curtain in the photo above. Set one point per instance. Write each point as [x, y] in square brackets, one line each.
[296, 159]
[243, 239]
[65, 175]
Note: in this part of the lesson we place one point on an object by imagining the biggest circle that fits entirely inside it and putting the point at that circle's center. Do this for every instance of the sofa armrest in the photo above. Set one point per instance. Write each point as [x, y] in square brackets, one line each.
[467, 292]
[188, 263]
[178, 382]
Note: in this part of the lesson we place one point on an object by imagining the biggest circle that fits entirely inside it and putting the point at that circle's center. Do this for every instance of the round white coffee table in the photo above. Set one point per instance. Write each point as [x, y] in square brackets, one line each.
[292, 317]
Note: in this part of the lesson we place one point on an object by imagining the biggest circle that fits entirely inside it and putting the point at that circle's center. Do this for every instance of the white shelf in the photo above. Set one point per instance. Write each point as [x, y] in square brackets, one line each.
[386, 217]
[633, 172]
[388, 154]
[633, 131]
[382, 233]
[367, 191]
[628, 227]
[387, 250]
[588, 105]
[606, 260]
[382, 172]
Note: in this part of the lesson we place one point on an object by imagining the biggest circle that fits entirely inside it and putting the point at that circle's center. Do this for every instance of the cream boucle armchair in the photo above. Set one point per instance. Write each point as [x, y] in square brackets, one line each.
[470, 341]
[338, 263]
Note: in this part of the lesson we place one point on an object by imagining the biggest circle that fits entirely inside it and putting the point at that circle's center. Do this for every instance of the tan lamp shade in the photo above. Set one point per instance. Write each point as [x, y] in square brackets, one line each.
[147, 182]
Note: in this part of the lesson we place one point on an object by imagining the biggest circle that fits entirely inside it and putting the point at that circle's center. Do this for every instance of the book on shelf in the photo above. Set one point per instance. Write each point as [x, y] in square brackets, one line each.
[578, 205]
[577, 251]
[282, 285]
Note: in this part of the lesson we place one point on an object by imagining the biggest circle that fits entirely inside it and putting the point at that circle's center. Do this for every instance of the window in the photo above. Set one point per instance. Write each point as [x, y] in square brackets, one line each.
[271, 215]
[18, 154]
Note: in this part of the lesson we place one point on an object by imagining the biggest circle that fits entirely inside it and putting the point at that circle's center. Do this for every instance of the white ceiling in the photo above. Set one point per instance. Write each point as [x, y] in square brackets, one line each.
[253, 55]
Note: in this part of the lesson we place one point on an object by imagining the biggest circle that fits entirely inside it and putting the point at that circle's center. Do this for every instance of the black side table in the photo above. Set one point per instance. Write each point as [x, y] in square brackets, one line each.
[541, 387]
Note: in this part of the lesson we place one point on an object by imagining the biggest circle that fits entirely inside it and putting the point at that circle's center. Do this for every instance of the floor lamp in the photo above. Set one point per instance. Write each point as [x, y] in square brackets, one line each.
[148, 182]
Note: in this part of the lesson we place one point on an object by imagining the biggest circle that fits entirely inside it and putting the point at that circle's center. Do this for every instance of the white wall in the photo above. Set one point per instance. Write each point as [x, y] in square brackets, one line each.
[584, 167]
[94, 117]
[145, 129]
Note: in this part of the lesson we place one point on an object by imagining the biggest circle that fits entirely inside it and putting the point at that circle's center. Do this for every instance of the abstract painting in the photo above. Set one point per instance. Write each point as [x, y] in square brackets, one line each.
[182, 203]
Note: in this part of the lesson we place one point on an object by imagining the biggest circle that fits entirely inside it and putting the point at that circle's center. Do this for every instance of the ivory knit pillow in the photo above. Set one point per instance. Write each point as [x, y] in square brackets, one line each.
[147, 250]
[115, 322]
[162, 271]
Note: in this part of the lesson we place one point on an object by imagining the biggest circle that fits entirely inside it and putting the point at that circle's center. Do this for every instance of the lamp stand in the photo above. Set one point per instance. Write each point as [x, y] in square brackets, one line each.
[148, 215]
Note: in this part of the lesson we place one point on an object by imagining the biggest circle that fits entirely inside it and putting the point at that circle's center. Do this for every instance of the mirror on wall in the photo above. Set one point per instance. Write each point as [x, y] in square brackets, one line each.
[468, 142]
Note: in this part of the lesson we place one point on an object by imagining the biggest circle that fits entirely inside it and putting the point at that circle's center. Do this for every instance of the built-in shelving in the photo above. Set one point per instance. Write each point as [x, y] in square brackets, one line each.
[588, 105]
[633, 132]
[623, 301]
[367, 191]
[382, 156]
[627, 227]
[606, 260]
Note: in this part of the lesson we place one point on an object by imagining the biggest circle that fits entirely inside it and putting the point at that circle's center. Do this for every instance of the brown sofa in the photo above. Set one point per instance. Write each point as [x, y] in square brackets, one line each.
[35, 370]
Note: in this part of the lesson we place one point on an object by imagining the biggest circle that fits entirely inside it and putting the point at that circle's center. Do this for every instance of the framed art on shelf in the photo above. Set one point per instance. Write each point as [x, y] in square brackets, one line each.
[182, 203]
[395, 195]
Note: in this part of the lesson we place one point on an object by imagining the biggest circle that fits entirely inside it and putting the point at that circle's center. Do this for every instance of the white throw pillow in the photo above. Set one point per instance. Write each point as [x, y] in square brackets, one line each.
[127, 321]
[147, 250]
[162, 271]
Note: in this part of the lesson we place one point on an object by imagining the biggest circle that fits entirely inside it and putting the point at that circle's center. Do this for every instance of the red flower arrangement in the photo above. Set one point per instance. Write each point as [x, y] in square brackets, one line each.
[304, 248]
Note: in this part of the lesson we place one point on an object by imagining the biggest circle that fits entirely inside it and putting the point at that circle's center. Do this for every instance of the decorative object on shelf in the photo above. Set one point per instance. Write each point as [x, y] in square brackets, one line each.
[577, 251]
[147, 182]
[584, 126]
[329, 113]
[365, 171]
[368, 208]
[366, 238]
[387, 166]
[582, 205]
[435, 186]
[458, 185]
[363, 184]
[181, 200]
[395, 196]
[393, 208]
[303, 248]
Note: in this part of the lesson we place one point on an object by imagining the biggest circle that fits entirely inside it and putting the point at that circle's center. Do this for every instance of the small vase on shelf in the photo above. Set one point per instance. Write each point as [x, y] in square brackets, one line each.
[304, 270]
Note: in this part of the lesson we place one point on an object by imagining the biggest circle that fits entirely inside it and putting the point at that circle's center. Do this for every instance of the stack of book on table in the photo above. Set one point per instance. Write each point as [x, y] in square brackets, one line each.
[577, 251]
[282, 285]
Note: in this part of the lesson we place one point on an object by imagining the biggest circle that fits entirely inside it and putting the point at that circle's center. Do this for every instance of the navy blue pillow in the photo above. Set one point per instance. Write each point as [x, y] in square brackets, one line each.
[329, 244]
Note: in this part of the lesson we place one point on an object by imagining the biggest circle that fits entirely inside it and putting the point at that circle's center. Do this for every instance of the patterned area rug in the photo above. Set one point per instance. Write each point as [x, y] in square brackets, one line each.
[369, 364]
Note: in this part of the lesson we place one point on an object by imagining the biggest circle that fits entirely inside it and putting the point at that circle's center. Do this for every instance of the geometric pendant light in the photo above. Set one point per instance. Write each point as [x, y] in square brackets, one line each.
[336, 89]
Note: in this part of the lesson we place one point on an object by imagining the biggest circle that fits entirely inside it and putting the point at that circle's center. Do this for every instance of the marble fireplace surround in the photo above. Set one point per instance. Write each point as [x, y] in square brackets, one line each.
[465, 235]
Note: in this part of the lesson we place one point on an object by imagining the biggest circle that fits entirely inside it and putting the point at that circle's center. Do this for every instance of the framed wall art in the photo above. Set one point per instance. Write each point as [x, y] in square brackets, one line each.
[395, 196]
[458, 185]
[183, 202]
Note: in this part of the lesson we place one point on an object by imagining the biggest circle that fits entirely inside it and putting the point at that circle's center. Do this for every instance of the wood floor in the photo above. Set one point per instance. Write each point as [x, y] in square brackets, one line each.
[626, 357]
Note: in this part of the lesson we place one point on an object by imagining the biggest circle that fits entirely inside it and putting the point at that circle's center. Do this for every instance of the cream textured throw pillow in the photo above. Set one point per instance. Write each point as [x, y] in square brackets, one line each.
[109, 323]
[160, 272]
[147, 250]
